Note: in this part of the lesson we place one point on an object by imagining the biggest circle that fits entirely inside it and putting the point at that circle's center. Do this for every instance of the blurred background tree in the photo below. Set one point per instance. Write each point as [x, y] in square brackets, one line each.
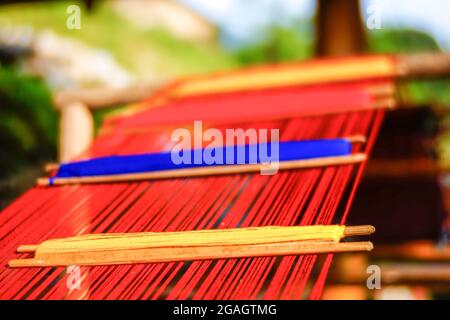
[28, 131]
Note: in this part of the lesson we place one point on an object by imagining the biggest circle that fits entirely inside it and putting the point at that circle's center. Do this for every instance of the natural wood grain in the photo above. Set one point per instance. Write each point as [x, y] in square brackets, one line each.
[358, 230]
[419, 250]
[155, 255]
[76, 130]
[103, 97]
[150, 247]
[424, 64]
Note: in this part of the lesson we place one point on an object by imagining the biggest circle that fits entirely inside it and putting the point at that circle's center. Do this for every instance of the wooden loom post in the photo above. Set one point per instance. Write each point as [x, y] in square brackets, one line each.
[77, 123]
[76, 130]
[339, 28]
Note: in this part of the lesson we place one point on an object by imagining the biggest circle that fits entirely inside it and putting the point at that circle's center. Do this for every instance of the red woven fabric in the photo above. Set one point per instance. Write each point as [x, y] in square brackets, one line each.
[261, 105]
[297, 197]
[302, 197]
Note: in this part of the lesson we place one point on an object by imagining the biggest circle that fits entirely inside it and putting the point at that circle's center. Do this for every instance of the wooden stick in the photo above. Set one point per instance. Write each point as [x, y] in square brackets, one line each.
[419, 250]
[76, 131]
[156, 255]
[382, 90]
[27, 248]
[50, 167]
[414, 273]
[103, 97]
[426, 64]
[150, 247]
[357, 138]
[209, 170]
[197, 237]
[358, 230]
[388, 103]
[411, 65]
[407, 167]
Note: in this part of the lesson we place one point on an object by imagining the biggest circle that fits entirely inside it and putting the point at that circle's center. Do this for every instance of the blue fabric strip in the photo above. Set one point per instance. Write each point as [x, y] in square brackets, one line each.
[289, 150]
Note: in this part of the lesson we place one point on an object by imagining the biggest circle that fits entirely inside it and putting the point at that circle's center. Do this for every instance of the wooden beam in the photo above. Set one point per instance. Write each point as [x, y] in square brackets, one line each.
[414, 250]
[76, 130]
[104, 97]
[339, 27]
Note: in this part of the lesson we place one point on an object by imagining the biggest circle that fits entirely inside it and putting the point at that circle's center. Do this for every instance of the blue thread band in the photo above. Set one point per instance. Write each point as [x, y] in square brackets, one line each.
[125, 164]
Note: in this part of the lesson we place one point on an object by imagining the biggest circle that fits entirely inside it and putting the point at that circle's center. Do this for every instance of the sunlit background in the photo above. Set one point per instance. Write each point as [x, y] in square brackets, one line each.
[127, 41]
[121, 43]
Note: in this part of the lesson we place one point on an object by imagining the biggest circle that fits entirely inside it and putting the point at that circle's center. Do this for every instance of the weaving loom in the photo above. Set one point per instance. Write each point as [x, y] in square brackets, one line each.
[353, 103]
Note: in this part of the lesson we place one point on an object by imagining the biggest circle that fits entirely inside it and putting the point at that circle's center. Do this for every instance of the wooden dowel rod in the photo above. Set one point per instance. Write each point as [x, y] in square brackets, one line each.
[427, 64]
[155, 255]
[26, 248]
[385, 103]
[50, 167]
[382, 90]
[414, 273]
[357, 138]
[209, 171]
[358, 230]
[414, 251]
[267, 234]
[101, 97]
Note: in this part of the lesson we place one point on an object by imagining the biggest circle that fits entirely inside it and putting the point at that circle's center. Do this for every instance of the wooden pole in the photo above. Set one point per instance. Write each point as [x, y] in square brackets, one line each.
[152, 247]
[76, 130]
[339, 28]
[209, 170]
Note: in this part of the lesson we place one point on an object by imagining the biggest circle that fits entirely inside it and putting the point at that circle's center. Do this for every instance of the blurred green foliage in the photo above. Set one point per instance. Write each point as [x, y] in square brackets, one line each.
[401, 41]
[28, 123]
[417, 92]
[434, 92]
[28, 131]
[280, 44]
[28, 126]
[143, 51]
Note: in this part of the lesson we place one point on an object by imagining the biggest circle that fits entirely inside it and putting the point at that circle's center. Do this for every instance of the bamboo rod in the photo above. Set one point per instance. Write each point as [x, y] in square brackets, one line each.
[414, 273]
[425, 64]
[203, 237]
[357, 138]
[52, 166]
[358, 230]
[151, 247]
[388, 103]
[102, 97]
[156, 255]
[27, 248]
[209, 170]
[382, 90]
[419, 250]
